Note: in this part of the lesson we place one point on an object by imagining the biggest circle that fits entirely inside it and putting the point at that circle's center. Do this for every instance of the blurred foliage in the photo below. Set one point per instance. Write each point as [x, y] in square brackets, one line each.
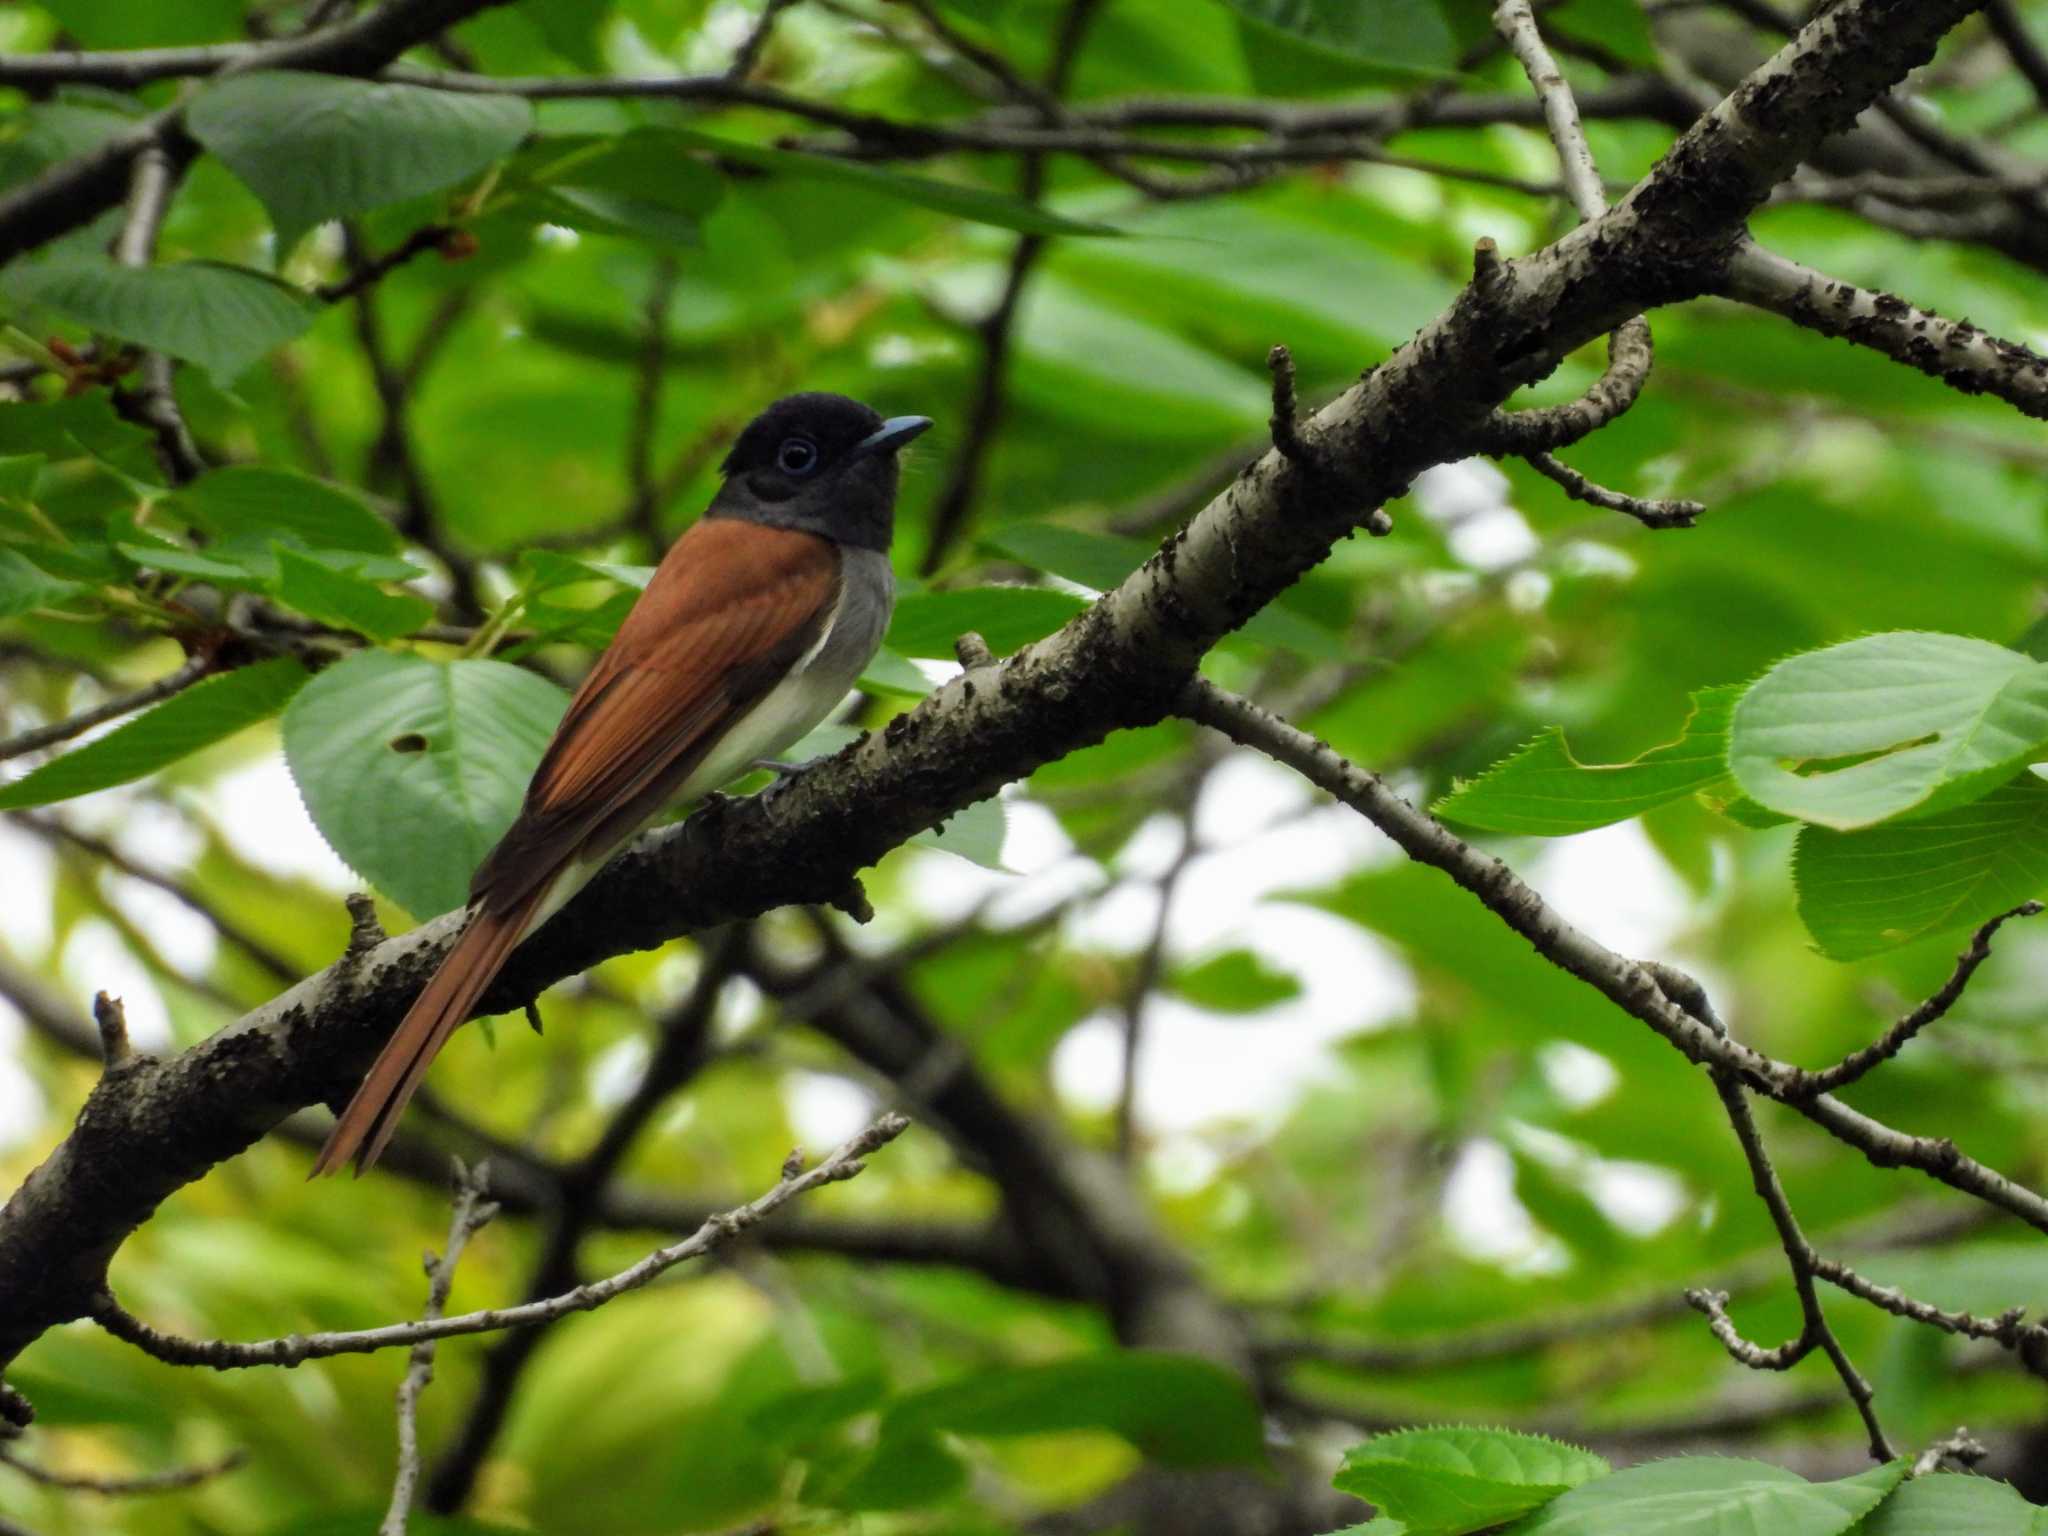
[1478, 1146]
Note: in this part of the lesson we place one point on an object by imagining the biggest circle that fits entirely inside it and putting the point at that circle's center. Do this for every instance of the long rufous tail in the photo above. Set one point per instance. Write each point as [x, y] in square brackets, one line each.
[446, 1000]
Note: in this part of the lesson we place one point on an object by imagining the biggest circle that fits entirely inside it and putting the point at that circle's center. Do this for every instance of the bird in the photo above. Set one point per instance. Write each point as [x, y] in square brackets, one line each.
[751, 631]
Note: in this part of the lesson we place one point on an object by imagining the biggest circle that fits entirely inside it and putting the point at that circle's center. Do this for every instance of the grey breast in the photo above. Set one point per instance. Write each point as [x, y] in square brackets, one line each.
[867, 593]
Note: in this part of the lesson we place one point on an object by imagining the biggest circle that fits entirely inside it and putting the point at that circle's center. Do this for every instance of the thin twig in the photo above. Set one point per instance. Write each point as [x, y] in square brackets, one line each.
[1896, 1038]
[1953, 351]
[368, 273]
[1799, 1255]
[472, 1210]
[121, 1487]
[954, 505]
[748, 54]
[717, 1231]
[153, 180]
[1651, 512]
[193, 669]
[644, 512]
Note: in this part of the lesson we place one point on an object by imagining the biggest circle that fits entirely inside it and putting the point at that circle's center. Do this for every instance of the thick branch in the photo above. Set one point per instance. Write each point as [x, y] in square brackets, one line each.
[155, 1126]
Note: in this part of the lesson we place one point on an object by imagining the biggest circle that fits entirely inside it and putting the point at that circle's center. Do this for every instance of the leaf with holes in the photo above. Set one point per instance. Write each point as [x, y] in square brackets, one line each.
[1712, 1496]
[1544, 791]
[317, 147]
[224, 318]
[1952, 1504]
[1888, 726]
[412, 769]
[1861, 893]
[207, 712]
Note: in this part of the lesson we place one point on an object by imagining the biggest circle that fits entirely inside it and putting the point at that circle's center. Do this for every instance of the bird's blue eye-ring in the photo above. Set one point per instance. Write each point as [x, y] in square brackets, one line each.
[796, 456]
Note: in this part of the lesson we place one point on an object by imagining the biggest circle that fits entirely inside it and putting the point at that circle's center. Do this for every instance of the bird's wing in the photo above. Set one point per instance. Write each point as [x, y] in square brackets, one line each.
[732, 608]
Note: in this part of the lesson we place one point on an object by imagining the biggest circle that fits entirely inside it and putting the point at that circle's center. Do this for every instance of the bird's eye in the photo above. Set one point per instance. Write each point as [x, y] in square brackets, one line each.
[796, 456]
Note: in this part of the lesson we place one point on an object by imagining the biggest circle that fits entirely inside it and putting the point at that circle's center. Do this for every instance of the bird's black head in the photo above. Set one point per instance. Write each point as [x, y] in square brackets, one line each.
[820, 463]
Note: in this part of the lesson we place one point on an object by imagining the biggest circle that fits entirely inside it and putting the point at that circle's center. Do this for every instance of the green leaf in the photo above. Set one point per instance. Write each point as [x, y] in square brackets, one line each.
[413, 769]
[1712, 1496]
[250, 504]
[209, 711]
[1954, 1504]
[1861, 893]
[975, 834]
[24, 586]
[889, 672]
[221, 317]
[333, 597]
[1179, 1411]
[316, 147]
[1236, 981]
[1888, 725]
[1544, 791]
[902, 1472]
[962, 202]
[1616, 25]
[1407, 34]
[1441, 1482]
[642, 183]
[1008, 618]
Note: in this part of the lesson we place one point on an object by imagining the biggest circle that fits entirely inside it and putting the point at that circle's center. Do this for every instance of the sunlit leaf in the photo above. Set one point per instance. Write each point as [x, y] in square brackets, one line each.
[1876, 728]
[413, 768]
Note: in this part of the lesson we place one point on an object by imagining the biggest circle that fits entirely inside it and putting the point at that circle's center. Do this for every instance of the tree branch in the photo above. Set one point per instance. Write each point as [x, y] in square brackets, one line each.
[191, 671]
[294, 1349]
[75, 191]
[1895, 1039]
[1953, 351]
[1122, 662]
[471, 1212]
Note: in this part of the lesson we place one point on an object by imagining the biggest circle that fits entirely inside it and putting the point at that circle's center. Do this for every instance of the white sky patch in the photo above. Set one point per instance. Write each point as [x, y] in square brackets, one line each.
[21, 1102]
[617, 1071]
[1614, 884]
[1484, 1219]
[1578, 1077]
[25, 916]
[825, 1110]
[258, 810]
[1469, 502]
[1640, 1198]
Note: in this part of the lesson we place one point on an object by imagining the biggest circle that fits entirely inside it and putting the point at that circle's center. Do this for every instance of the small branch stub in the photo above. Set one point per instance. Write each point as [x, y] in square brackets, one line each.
[1285, 425]
[973, 651]
[112, 1019]
[1485, 261]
